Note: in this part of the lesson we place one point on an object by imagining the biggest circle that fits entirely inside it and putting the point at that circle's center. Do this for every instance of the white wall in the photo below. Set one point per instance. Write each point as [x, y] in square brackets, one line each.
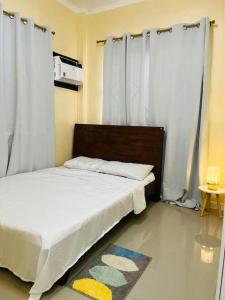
[220, 293]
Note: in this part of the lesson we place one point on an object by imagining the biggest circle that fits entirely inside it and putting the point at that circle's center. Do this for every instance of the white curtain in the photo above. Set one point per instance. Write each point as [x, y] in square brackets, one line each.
[166, 86]
[114, 82]
[27, 125]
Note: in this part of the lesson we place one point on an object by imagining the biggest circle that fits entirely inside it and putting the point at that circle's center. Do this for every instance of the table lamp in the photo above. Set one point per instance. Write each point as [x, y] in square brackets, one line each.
[213, 178]
[207, 254]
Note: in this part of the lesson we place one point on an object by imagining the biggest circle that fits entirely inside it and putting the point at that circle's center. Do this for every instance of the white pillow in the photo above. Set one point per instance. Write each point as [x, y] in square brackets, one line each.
[84, 163]
[129, 170]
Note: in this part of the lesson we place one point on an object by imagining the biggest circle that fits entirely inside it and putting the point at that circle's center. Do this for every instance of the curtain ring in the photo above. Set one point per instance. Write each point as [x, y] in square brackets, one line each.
[12, 16]
[131, 37]
[24, 21]
[185, 27]
[148, 34]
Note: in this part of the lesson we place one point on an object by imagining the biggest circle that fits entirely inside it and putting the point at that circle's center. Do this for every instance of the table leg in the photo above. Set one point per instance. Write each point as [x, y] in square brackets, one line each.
[218, 205]
[206, 199]
[208, 203]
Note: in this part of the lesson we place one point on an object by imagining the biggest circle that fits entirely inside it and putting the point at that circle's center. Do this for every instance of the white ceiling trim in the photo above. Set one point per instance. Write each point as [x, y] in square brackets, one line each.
[72, 6]
[98, 9]
[112, 6]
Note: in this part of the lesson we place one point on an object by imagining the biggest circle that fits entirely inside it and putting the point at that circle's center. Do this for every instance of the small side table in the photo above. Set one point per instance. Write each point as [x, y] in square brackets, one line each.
[206, 197]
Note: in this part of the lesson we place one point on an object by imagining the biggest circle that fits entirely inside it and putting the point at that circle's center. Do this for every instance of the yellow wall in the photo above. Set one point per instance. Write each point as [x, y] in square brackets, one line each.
[153, 13]
[76, 36]
[65, 23]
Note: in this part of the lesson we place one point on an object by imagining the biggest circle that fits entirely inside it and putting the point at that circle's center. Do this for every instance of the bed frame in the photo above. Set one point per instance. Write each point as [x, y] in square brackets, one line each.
[136, 144]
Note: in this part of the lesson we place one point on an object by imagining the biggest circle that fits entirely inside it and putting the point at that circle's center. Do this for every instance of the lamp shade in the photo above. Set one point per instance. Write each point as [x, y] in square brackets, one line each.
[207, 254]
[213, 175]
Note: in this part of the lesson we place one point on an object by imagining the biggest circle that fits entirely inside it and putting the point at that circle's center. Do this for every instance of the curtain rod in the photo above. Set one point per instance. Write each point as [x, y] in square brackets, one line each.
[169, 29]
[24, 21]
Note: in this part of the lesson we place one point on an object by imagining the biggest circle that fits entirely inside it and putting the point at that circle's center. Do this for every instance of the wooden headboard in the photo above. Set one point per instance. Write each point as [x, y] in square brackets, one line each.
[135, 144]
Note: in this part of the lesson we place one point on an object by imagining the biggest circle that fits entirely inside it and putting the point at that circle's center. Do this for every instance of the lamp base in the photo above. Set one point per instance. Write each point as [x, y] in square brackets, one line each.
[213, 187]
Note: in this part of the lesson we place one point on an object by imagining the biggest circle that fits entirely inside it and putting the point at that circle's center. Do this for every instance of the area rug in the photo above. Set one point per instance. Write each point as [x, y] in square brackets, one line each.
[110, 275]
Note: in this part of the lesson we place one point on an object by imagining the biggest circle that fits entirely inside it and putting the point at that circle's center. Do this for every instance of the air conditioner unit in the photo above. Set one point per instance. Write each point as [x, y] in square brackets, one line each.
[67, 71]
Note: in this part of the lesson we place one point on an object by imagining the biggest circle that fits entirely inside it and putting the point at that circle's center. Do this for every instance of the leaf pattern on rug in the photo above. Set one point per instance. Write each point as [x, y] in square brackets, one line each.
[119, 262]
[108, 275]
[93, 288]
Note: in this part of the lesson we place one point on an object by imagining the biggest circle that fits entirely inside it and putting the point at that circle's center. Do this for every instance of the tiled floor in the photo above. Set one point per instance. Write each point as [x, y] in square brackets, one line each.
[177, 239]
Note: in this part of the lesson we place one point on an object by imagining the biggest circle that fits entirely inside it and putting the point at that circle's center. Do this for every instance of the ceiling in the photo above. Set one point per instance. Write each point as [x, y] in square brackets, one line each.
[94, 6]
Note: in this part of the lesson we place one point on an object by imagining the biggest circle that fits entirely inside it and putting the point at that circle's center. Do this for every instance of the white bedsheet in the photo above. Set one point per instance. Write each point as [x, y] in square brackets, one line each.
[50, 218]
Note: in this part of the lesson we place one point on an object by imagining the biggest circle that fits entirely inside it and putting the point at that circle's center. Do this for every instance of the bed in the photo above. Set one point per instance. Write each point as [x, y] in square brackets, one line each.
[44, 215]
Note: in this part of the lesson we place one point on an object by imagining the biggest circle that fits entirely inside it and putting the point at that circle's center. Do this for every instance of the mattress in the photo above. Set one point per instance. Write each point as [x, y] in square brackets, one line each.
[50, 218]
